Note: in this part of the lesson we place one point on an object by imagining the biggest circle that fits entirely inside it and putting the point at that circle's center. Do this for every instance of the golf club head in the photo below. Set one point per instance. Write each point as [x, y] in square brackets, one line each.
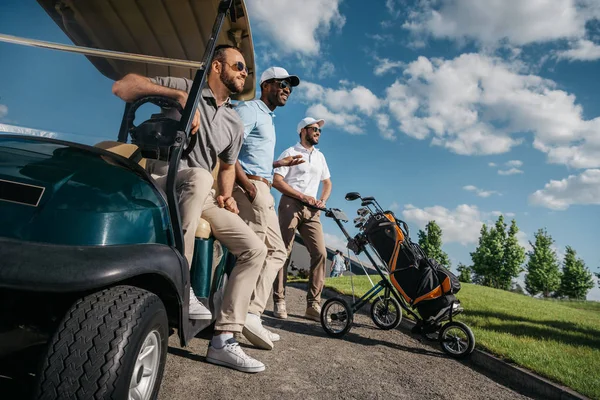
[362, 211]
[366, 203]
[368, 198]
[359, 219]
[359, 225]
[351, 196]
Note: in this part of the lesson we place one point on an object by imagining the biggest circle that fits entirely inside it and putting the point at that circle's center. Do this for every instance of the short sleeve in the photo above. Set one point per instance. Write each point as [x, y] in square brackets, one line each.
[248, 115]
[230, 154]
[283, 171]
[325, 173]
[182, 84]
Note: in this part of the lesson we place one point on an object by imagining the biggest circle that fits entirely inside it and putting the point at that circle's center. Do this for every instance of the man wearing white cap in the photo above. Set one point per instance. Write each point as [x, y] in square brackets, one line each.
[252, 192]
[301, 185]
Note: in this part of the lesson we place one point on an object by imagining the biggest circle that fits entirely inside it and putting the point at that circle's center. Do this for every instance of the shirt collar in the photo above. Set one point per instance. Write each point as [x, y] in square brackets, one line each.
[299, 147]
[208, 94]
[261, 104]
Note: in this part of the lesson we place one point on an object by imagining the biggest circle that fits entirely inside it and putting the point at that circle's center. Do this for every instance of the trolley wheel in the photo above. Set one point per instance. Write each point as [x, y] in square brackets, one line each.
[336, 317]
[457, 339]
[386, 313]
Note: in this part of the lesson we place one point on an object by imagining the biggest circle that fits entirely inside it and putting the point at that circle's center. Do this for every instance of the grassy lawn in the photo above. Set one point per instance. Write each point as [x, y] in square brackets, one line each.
[559, 340]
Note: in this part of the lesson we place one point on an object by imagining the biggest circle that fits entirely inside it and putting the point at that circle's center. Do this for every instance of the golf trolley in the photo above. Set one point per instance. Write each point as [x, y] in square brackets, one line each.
[408, 280]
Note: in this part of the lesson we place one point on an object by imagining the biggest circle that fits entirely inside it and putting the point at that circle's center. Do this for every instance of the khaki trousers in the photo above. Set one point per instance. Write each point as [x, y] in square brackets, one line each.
[261, 218]
[293, 215]
[197, 198]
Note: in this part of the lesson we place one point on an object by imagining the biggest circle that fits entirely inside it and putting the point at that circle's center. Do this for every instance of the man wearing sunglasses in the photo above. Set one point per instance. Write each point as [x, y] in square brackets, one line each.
[219, 132]
[254, 176]
[300, 186]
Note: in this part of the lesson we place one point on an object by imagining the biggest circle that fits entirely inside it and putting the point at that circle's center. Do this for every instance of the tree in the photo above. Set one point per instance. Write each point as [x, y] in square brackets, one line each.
[430, 241]
[576, 279]
[464, 273]
[543, 274]
[498, 258]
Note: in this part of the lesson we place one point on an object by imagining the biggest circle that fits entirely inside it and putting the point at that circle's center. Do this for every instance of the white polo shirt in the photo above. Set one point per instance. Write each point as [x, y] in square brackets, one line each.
[305, 177]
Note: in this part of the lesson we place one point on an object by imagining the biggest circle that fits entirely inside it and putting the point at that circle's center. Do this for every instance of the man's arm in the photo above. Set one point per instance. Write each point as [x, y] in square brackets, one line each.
[325, 193]
[288, 161]
[225, 181]
[134, 86]
[242, 179]
[283, 187]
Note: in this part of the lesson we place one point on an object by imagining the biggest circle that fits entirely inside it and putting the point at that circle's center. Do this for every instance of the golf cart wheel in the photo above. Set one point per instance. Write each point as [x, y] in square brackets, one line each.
[386, 313]
[336, 317]
[457, 339]
[110, 345]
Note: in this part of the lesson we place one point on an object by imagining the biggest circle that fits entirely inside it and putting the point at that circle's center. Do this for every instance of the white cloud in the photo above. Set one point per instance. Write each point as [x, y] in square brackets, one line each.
[492, 164]
[581, 50]
[514, 163]
[575, 189]
[490, 22]
[296, 26]
[350, 123]
[461, 225]
[477, 104]
[349, 99]
[394, 206]
[385, 65]
[511, 171]
[326, 70]
[393, 7]
[3, 110]
[383, 123]
[480, 192]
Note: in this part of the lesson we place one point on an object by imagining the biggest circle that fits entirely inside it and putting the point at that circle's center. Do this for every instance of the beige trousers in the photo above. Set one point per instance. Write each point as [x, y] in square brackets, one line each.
[197, 198]
[261, 217]
[293, 215]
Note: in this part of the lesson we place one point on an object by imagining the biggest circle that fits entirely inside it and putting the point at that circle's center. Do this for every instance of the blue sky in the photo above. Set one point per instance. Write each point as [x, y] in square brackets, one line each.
[448, 109]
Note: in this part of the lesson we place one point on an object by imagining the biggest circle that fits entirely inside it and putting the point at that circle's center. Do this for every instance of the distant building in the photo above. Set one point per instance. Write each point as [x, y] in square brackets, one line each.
[300, 260]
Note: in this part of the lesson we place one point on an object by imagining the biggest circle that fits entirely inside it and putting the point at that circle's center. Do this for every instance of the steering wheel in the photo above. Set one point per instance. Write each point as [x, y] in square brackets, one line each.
[167, 122]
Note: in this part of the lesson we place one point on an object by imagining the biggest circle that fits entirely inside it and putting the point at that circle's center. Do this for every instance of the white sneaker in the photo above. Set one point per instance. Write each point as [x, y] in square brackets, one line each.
[273, 336]
[279, 310]
[197, 309]
[232, 356]
[256, 333]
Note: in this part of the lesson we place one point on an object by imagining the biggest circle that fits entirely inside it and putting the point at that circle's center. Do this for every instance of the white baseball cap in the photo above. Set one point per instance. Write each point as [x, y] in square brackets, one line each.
[278, 73]
[309, 121]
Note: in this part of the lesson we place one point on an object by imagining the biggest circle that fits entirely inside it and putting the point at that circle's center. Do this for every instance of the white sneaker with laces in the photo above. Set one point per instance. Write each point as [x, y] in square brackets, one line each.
[256, 333]
[197, 310]
[273, 336]
[231, 355]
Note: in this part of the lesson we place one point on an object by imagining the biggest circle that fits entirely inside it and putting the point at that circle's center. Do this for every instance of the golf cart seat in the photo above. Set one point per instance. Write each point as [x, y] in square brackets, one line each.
[127, 150]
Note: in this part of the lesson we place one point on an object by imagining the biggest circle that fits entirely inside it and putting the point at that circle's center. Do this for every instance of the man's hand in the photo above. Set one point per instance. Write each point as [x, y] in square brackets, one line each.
[196, 121]
[310, 200]
[320, 204]
[289, 161]
[251, 192]
[228, 203]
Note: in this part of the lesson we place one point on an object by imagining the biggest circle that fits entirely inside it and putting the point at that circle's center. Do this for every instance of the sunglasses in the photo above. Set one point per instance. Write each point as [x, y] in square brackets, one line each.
[238, 66]
[283, 84]
[314, 129]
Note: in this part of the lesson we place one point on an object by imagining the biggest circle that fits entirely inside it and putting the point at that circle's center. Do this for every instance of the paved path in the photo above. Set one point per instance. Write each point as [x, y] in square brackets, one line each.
[367, 363]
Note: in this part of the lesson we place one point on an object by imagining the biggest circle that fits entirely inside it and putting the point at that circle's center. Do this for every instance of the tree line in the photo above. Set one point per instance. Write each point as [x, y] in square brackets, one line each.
[499, 258]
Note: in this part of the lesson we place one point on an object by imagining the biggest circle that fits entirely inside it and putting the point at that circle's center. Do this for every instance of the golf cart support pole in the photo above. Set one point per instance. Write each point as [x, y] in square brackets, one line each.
[186, 122]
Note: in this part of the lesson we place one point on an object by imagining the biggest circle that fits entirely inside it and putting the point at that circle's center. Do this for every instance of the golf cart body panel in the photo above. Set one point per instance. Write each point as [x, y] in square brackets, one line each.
[170, 29]
[54, 192]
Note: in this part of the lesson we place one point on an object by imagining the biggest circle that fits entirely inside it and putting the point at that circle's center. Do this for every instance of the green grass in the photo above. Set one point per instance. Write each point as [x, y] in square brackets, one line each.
[559, 340]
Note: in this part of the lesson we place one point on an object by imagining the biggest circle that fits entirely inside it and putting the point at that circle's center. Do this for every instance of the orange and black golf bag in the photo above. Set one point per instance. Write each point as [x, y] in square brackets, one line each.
[423, 282]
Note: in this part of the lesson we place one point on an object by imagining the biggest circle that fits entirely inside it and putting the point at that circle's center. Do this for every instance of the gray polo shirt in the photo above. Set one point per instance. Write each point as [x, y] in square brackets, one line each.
[221, 131]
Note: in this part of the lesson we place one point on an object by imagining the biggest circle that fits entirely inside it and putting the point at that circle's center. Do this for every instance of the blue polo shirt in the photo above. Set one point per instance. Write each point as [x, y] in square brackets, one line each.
[258, 150]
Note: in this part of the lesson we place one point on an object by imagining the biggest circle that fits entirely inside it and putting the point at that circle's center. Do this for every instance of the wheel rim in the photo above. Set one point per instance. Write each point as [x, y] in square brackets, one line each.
[385, 317]
[336, 317]
[455, 340]
[146, 368]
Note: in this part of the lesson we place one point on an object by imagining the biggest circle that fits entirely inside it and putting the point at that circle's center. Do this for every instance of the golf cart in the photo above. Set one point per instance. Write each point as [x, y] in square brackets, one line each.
[92, 266]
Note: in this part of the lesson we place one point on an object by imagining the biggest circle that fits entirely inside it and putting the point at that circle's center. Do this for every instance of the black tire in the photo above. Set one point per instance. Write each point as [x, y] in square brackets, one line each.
[386, 308]
[454, 346]
[345, 316]
[93, 353]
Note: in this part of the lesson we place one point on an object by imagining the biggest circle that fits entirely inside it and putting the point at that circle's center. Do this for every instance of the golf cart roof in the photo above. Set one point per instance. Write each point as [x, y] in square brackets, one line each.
[175, 29]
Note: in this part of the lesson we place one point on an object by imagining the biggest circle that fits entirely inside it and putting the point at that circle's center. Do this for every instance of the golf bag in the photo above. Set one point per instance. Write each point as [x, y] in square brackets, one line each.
[423, 282]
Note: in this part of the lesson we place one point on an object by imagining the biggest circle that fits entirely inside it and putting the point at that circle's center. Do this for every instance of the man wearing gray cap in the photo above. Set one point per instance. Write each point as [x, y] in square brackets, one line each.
[252, 192]
[301, 185]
